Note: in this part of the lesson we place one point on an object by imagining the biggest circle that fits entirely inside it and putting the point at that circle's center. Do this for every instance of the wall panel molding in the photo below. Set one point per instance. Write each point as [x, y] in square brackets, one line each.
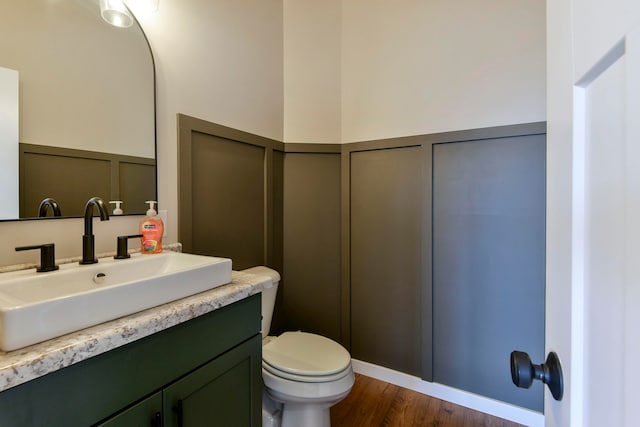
[331, 259]
[221, 196]
[426, 142]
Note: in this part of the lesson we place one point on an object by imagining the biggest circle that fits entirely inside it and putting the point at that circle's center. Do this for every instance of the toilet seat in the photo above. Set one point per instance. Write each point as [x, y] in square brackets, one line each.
[290, 391]
[305, 378]
[305, 357]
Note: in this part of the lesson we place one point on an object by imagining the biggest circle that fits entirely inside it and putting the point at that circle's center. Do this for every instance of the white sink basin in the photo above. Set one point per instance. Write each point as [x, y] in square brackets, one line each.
[35, 307]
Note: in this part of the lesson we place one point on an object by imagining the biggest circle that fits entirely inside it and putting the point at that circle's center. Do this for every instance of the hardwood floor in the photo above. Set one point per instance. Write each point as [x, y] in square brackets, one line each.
[377, 403]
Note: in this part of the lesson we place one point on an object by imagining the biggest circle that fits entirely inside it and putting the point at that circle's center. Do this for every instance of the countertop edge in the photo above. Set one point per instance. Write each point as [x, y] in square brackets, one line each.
[23, 365]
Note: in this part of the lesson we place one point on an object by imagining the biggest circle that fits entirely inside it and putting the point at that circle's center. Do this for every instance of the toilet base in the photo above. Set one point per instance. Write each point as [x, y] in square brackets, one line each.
[298, 412]
[271, 411]
[296, 415]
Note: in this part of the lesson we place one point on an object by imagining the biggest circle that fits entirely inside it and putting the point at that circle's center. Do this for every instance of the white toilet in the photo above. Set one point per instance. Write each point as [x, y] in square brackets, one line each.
[304, 374]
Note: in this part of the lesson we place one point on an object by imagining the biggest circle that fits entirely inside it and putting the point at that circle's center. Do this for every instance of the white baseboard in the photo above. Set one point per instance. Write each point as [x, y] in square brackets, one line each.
[468, 400]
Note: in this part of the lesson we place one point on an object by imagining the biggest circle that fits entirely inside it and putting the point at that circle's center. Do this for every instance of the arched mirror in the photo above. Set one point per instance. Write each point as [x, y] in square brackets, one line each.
[77, 97]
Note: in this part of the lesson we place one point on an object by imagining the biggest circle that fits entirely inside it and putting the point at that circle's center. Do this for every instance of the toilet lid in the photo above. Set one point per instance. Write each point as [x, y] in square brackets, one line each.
[305, 354]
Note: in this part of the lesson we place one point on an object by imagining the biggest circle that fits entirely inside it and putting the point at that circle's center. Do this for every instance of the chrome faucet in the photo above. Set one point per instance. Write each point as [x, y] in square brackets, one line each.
[51, 203]
[88, 240]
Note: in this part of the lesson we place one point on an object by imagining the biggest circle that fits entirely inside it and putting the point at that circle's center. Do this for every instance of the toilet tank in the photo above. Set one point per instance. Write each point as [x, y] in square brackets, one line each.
[268, 295]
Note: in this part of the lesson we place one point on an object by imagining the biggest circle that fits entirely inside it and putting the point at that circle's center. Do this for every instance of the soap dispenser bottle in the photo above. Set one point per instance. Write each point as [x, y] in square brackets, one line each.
[118, 209]
[152, 229]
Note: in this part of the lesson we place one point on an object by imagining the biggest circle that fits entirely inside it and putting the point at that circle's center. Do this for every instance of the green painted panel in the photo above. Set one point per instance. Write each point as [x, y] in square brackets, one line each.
[387, 194]
[228, 185]
[221, 393]
[489, 264]
[310, 289]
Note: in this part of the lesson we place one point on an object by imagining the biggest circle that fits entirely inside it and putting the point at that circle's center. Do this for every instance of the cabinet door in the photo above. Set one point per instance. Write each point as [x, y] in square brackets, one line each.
[147, 413]
[224, 392]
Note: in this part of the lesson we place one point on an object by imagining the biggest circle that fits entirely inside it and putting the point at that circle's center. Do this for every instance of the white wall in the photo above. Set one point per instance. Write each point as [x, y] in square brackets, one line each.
[65, 233]
[425, 67]
[312, 71]
[217, 60]
[440, 65]
[422, 67]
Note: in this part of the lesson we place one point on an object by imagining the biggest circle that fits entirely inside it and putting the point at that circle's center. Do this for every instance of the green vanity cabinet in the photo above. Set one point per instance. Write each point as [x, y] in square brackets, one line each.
[218, 394]
[204, 372]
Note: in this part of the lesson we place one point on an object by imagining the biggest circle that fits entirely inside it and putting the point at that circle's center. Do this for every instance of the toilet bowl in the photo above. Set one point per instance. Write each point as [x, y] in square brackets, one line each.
[304, 374]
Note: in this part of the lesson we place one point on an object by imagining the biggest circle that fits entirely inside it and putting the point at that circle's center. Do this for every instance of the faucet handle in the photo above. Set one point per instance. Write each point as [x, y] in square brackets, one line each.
[47, 256]
[123, 251]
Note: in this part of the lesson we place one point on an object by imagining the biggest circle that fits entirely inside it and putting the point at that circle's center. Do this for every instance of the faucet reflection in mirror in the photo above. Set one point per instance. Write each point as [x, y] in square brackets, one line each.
[49, 203]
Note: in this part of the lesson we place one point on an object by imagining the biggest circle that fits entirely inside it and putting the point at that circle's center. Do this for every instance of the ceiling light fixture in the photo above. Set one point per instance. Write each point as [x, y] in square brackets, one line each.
[116, 13]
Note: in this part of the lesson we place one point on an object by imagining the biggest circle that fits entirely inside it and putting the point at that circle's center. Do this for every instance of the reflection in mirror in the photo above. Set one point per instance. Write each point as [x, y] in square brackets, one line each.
[83, 94]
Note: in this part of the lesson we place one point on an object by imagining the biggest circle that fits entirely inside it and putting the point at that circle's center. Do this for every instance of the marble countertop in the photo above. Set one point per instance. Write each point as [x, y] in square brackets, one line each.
[22, 365]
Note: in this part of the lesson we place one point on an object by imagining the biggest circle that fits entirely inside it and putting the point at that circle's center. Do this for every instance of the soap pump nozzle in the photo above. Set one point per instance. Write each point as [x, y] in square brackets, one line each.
[117, 210]
[151, 211]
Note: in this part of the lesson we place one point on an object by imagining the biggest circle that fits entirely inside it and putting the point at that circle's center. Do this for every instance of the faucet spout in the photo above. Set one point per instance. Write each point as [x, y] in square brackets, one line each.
[88, 239]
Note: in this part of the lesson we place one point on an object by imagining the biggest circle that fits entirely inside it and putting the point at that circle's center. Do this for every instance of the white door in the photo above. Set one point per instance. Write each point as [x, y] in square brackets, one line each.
[593, 219]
